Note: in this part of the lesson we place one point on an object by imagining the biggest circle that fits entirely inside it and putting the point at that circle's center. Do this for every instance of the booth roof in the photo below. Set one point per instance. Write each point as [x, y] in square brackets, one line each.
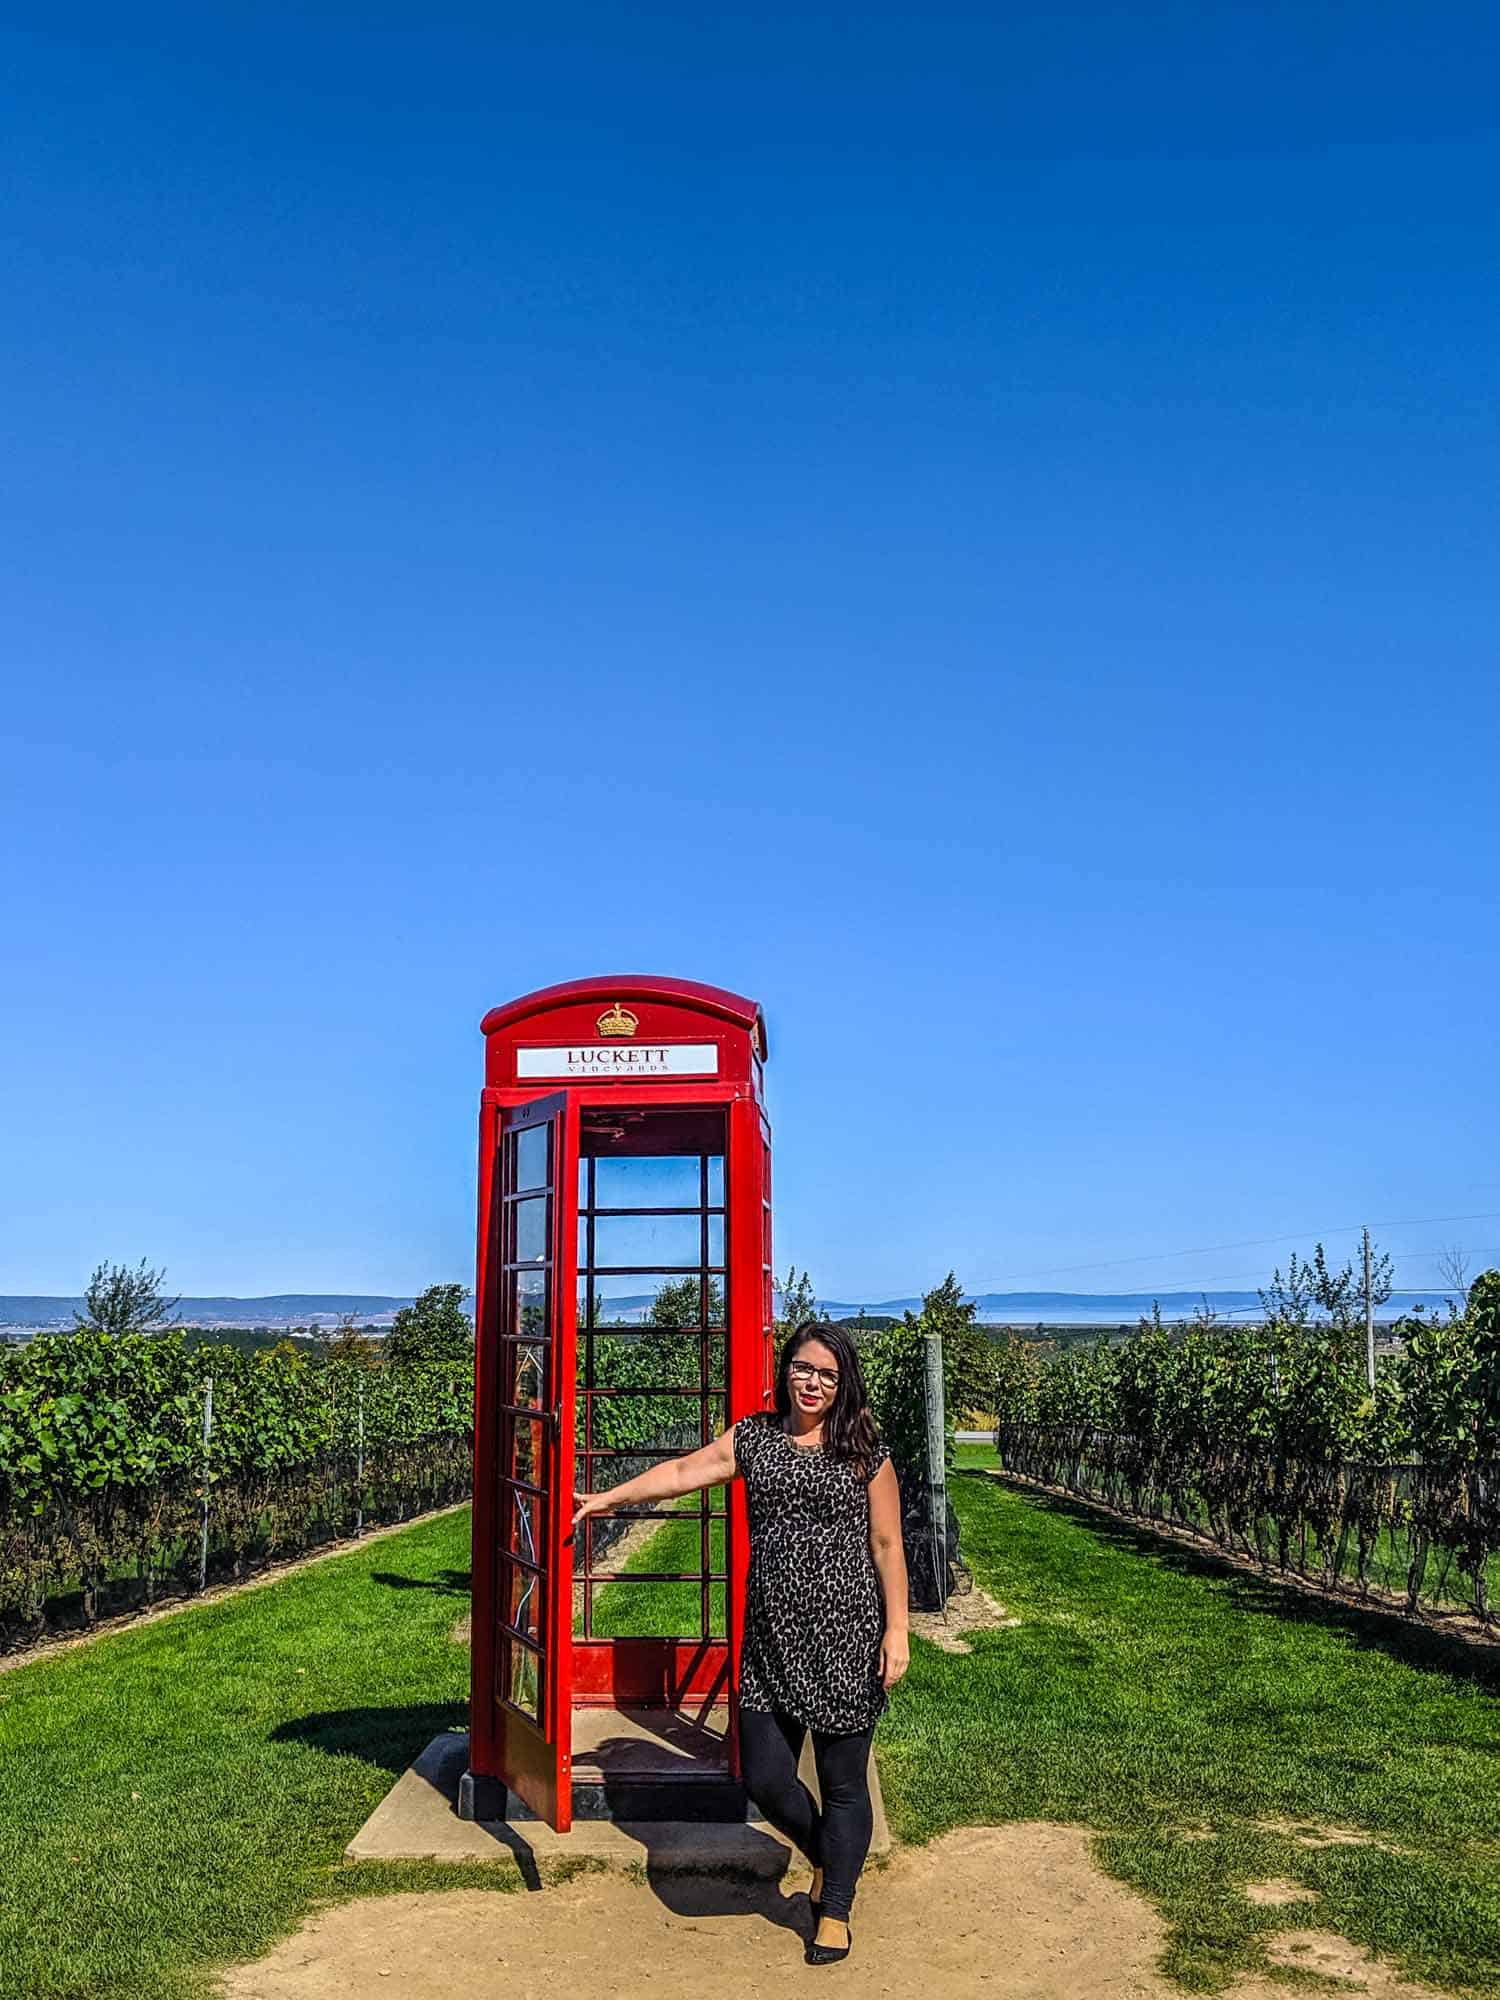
[629, 986]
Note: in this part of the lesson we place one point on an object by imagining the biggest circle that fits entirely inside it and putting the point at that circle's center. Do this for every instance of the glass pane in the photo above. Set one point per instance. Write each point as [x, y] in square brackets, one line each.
[528, 1374]
[652, 1299]
[647, 1242]
[715, 1294]
[633, 1542]
[532, 1146]
[522, 1601]
[526, 1450]
[599, 1475]
[524, 1524]
[647, 1423]
[599, 1544]
[652, 1181]
[530, 1225]
[583, 1183]
[675, 1543]
[528, 1303]
[520, 1677]
[716, 1180]
[716, 1239]
[630, 1610]
[651, 1360]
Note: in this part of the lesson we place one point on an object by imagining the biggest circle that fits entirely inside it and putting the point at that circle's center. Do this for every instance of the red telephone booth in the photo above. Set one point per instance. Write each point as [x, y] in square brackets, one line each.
[623, 1314]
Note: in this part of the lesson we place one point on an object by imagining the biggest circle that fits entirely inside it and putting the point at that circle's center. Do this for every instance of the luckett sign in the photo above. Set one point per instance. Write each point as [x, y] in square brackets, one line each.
[608, 1059]
[617, 1054]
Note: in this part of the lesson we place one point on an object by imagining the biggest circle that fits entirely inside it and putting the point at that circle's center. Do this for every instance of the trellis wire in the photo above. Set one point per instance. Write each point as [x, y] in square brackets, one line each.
[1412, 1534]
[120, 1549]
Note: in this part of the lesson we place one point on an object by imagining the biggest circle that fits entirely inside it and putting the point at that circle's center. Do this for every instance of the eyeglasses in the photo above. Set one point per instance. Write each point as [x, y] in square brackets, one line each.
[803, 1371]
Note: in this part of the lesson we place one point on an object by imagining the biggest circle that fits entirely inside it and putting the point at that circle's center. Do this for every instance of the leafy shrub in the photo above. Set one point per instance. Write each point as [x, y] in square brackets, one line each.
[894, 1362]
[1271, 1439]
[103, 1465]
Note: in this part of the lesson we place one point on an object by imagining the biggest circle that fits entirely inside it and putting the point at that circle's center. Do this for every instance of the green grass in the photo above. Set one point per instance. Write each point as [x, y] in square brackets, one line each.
[1148, 1694]
[177, 1795]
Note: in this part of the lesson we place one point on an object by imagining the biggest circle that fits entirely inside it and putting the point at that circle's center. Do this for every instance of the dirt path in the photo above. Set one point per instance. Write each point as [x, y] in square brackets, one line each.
[1011, 1913]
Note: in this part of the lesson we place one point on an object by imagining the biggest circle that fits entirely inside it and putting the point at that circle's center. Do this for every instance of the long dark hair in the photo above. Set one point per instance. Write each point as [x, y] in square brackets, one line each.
[848, 1430]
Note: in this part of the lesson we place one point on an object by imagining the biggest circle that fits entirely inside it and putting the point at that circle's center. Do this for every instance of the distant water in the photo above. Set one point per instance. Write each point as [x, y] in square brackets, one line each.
[22, 1315]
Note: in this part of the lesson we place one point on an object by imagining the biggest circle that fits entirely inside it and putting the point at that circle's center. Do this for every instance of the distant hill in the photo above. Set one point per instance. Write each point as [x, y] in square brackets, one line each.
[278, 1309]
[1004, 1307]
[281, 1309]
[1099, 1308]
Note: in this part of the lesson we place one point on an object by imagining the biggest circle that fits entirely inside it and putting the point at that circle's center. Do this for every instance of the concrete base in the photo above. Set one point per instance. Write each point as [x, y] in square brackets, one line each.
[418, 1820]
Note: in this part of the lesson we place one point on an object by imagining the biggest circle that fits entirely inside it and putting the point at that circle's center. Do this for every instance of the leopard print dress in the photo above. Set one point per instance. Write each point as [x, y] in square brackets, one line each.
[814, 1610]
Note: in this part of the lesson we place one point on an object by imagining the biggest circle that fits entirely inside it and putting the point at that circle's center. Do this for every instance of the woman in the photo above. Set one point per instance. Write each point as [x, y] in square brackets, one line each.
[825, 1614]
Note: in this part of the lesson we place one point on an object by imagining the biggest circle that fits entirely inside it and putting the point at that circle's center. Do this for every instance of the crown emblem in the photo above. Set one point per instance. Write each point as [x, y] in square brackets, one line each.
[617, 1020]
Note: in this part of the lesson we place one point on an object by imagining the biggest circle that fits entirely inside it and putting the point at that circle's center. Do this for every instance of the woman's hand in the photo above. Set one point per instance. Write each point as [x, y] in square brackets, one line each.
[895, 1657]
[585, 1504]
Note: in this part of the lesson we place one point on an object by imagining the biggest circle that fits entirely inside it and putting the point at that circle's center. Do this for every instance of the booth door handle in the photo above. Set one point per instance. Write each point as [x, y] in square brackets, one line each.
[554, 1422]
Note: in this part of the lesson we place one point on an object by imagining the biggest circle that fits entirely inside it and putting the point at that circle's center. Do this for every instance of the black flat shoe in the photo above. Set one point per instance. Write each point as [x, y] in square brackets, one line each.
[828, 1954]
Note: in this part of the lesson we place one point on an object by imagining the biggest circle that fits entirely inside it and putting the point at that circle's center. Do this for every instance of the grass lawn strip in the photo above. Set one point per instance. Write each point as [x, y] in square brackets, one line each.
[178, 1794]
[1203, 1723]
[166, 1606]
[1445, 1606]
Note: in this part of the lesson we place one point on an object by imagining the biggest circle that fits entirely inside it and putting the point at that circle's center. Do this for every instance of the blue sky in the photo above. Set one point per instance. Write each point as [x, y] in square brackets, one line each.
[974, 526]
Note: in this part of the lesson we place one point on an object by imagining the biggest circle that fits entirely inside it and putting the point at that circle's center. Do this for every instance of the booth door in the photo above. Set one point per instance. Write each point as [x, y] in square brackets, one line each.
[533, 1638]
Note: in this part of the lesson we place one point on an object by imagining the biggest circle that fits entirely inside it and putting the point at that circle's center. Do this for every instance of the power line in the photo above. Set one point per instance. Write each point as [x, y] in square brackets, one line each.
[1230, 1280]
[1245, 1243]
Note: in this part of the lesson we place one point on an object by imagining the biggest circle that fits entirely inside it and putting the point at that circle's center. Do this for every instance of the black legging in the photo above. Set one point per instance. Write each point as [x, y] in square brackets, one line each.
[835, 1839]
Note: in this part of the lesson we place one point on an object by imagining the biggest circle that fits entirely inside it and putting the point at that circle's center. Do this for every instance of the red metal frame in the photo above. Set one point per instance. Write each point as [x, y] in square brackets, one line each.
[534, 1755]
[613, 1672]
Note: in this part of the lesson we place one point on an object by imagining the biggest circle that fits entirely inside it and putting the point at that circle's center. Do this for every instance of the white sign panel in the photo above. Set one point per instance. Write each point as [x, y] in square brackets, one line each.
[618, 1061]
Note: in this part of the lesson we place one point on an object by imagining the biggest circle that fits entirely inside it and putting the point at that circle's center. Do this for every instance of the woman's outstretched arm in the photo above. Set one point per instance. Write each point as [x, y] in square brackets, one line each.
[712, 1465]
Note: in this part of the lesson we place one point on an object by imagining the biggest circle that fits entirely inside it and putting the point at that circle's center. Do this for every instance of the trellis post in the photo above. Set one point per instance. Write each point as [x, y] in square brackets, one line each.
[937, 1479]
[208, 1424]
[359, 1462]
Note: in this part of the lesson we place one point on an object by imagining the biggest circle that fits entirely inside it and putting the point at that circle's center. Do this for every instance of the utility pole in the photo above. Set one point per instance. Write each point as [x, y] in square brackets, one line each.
[1369, 1315]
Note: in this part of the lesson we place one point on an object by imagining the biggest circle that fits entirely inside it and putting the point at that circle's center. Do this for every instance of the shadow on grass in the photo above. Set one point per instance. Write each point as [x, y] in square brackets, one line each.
[446, 1583]
[390, 1738]
[1368, 1627]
